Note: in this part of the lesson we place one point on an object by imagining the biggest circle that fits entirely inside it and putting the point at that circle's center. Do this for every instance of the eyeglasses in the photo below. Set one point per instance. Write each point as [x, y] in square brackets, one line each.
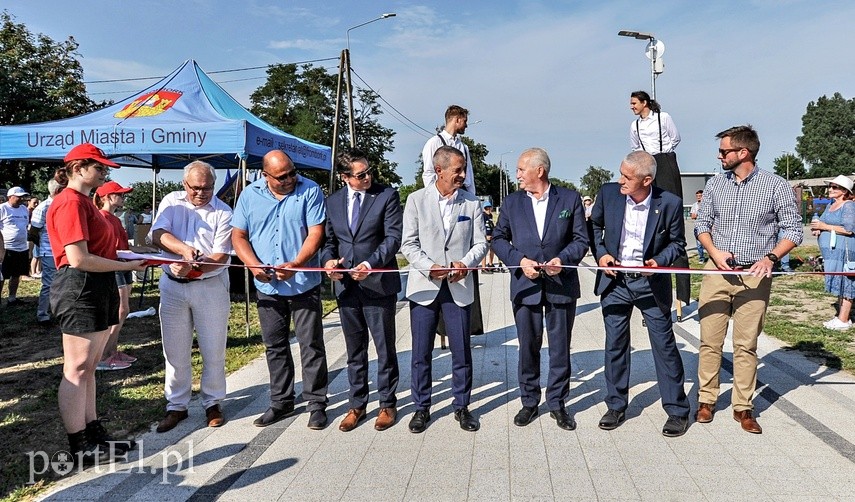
[725, 151]
[361, 176]
[200, 189]
[281, 179]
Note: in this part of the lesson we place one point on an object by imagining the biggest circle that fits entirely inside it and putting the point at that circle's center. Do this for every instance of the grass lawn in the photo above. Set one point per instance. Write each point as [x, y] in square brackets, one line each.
[797, 308]
[132, 399]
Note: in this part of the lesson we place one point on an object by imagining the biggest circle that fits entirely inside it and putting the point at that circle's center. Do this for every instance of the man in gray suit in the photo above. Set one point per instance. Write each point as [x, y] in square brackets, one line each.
[443, 236]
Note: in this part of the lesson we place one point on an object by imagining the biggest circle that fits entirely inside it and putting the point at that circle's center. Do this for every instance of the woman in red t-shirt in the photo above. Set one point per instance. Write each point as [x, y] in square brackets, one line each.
[109, 198]
[84, 298]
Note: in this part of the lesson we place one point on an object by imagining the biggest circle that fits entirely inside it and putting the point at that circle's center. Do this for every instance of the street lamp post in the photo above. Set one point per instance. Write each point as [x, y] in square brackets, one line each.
[504, 178]
[787, 156]
[655, 49]
[349, 81]
[344, 63]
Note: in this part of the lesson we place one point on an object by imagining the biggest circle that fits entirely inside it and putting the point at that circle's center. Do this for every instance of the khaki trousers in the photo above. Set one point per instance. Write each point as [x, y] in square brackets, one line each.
[744, 299]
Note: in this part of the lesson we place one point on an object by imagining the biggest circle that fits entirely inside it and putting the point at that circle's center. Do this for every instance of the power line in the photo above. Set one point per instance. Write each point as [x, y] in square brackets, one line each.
[381, 98]
[209, 73]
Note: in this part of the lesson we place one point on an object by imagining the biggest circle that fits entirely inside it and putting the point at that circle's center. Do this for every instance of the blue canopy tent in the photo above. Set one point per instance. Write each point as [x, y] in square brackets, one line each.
[184, 116]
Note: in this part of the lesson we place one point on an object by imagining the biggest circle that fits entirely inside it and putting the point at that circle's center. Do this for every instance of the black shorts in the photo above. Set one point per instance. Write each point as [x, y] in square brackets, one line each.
[84, 302]
[124, 278]
[16, 263]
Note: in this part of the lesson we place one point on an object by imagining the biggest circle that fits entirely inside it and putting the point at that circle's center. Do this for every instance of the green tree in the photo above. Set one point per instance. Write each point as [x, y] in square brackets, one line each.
[141, 196]
[561, 183]
[594, 179]
[301, 101]
[40, 80]
[827, 142]
[790, 167]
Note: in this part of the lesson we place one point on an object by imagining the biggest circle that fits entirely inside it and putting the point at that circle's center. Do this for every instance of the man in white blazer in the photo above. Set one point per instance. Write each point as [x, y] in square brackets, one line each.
[443, 236]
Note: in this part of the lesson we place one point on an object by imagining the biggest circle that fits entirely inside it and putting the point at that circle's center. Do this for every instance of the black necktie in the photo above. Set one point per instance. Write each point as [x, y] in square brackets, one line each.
[354, 215]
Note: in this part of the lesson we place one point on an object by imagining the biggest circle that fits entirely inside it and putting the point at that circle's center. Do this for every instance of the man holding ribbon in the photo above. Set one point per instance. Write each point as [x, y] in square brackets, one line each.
[194, 227]
[541, 229]
[279, 225]
[738, 223]
[363, 232]
[639, 225]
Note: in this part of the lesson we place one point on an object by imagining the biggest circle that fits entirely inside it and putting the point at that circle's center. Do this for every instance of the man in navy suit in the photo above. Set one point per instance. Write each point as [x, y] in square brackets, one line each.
[363, 232]
[540, 229]
[639, 225]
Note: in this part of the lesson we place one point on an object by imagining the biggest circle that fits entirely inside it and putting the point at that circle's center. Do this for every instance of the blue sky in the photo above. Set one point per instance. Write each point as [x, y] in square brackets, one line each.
[534, 73]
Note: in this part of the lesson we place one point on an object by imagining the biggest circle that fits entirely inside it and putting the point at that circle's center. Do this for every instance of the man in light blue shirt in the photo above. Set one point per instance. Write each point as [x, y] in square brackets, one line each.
[278, 224]
[37, 227]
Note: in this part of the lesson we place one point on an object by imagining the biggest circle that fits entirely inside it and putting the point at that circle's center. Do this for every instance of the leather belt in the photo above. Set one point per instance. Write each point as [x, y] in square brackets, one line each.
[632, 275]
[184, 280]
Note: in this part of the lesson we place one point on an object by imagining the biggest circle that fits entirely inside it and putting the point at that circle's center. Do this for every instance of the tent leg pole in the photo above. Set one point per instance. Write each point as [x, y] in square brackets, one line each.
[243, 176]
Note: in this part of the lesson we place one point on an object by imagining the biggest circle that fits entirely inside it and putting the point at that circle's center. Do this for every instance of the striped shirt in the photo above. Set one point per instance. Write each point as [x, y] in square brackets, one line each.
[745, 218]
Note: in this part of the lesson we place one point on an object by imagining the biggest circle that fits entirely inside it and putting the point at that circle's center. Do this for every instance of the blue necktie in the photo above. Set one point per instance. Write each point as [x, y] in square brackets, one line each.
[354, 214]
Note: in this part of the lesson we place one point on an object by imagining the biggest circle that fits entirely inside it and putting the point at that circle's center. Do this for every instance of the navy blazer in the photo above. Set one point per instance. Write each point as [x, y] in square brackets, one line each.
[377, 239]
[664, 236]
[565, 236]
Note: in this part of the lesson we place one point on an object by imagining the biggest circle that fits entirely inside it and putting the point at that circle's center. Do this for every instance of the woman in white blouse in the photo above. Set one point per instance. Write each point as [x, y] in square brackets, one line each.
[655, 133]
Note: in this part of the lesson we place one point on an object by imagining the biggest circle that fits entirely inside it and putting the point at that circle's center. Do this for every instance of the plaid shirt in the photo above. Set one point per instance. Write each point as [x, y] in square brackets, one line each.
[744, 218]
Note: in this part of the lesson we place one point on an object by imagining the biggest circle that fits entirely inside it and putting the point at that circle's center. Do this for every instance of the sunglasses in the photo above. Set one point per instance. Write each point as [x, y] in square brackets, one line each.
[725, 151]
[835, 187]
[281, 179]
[360, 176]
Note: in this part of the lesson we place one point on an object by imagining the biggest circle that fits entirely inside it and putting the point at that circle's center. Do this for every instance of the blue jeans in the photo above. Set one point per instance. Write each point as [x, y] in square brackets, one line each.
[700, 247]
[48, 271]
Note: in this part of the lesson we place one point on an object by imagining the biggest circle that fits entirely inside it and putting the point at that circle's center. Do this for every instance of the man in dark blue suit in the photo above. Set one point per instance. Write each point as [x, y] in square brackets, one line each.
[540, 229]
[639, 225]
[363, 232]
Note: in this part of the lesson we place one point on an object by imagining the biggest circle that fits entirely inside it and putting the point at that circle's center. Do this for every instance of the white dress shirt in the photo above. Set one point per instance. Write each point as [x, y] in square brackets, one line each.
[539, 206]
[632, 234]
[445, 205]
[644, 134]
[432, 145]
[350, 199]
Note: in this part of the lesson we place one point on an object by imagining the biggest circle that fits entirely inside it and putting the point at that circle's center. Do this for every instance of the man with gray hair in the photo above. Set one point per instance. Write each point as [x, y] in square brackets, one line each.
[38, 234]
[194, 226]
[541, 229]
[639, 225]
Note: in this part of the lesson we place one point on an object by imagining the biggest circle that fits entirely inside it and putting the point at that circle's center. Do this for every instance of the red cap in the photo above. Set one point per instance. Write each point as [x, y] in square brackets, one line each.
[89, 151]
[111, 187]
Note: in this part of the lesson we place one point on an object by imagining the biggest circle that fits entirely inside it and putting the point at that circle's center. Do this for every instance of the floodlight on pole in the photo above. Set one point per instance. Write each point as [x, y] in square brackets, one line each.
[654, 51]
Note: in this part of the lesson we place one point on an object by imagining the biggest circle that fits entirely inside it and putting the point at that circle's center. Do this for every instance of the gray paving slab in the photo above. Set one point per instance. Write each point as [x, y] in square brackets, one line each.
[807, 450]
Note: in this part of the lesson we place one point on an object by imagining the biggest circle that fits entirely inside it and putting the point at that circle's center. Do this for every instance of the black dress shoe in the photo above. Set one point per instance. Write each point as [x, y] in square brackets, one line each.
[317, 420]
[612, 420]
[675, 426]
[563, 419]
[467, 421]
[418, 423]
[273, 415]
[525, 416]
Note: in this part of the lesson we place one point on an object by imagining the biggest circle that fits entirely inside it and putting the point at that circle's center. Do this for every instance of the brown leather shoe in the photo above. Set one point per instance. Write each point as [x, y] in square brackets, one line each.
[385, 418]
[353, 417]
[171, 420]
[747, 421]
[215, 416]
[705, 413]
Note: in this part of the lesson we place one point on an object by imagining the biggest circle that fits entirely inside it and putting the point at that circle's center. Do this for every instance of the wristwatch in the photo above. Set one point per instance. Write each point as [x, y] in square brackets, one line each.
[773, 257]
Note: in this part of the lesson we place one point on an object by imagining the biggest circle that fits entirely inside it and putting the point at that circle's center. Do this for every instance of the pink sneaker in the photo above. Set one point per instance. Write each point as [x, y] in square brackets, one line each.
[121, 356]
[111, 363]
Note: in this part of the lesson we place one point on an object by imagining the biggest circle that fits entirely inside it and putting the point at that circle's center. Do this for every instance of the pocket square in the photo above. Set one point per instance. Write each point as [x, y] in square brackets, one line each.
[564, 214]
[463, 217]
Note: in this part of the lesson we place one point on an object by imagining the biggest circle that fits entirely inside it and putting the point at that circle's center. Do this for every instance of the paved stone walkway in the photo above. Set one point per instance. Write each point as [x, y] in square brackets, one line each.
[807, 450]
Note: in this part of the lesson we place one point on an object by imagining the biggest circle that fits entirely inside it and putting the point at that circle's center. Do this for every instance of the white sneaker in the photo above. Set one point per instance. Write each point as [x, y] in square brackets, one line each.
[837, 324]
